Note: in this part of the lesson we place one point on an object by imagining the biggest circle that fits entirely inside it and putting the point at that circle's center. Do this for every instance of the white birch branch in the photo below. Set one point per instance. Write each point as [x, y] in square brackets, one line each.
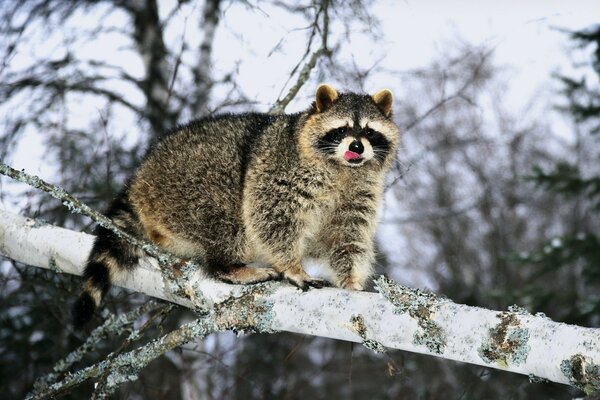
[395, 318]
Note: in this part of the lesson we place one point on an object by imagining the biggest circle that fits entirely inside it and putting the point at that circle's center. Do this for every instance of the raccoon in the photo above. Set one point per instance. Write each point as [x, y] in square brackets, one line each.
[272, 189]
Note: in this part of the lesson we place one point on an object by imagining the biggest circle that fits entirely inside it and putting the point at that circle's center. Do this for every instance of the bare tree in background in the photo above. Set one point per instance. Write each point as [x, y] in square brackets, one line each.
[459, 179]
[470, 212]
[40, 94]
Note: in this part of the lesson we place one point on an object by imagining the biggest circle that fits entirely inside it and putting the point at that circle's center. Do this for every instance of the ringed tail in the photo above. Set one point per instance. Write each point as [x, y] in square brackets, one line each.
[109, 257]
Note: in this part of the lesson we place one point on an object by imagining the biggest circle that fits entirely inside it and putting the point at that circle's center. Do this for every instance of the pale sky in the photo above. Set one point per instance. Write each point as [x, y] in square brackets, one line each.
[413, 33]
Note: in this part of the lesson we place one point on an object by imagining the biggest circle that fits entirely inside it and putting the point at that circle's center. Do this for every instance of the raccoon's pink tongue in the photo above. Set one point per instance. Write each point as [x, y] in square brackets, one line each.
[350, 155]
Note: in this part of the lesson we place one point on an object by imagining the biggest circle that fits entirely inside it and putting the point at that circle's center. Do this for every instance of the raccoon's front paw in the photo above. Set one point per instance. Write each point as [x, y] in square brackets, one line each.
[304, 282]
[351, 284]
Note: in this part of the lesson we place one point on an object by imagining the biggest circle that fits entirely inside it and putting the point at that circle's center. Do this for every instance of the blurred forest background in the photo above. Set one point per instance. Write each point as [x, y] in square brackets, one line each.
[487, 205]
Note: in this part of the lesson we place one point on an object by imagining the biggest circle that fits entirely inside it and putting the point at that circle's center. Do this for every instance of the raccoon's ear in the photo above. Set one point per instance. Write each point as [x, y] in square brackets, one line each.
[383, 100]
[326, 95]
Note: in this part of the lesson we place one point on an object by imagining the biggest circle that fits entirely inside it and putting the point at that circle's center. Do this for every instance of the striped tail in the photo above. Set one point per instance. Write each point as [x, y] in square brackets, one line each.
[109, 257]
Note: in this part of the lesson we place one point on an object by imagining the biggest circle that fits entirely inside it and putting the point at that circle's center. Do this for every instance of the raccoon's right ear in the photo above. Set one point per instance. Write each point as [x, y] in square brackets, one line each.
[383, 100]
[326, 95]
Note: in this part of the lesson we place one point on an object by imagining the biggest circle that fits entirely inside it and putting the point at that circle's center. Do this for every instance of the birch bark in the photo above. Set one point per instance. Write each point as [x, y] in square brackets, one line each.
[394, 318]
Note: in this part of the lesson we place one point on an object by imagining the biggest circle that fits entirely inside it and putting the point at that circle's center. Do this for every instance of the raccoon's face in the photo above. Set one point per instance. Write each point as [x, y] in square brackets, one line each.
[351, 130]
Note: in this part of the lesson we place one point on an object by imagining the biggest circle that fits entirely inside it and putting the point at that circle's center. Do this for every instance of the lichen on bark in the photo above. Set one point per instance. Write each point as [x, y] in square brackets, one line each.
[582, 372]
[252, 311]
[507, 342]
[419, 305]
[358, 324]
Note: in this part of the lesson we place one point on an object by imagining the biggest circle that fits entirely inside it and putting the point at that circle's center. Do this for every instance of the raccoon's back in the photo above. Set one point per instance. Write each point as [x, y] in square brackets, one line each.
[195, 175]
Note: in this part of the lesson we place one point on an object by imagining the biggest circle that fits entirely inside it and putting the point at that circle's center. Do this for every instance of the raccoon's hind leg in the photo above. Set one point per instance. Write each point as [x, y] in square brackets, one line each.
[109, 257]
[242, 274]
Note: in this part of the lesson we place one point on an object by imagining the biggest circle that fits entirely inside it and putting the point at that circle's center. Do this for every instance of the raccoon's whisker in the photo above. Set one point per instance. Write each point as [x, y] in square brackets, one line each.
[380, 151]
[329, 148]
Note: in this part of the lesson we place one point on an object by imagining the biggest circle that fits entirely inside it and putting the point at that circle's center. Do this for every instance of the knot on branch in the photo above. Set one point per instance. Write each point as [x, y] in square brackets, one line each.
[180, 279]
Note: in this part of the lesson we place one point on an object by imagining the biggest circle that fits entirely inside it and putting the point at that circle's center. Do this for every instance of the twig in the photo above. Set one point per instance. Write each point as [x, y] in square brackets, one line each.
[314, 29]
[102, 391]
[126, 366]
[441, 213]
[282, 103]
[244, 313]
[222, 363]
[457, 94]
[111, 324]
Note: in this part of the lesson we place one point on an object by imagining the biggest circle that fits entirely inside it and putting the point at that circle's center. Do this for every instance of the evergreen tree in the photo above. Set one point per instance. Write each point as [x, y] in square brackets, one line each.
[575, 252]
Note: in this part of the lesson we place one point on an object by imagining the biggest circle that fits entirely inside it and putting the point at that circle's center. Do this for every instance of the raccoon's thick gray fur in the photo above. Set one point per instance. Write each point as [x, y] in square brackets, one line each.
[236, 189]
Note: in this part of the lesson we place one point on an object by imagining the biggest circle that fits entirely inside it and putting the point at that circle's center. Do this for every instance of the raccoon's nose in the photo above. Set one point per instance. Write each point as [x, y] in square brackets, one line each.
[356, 147]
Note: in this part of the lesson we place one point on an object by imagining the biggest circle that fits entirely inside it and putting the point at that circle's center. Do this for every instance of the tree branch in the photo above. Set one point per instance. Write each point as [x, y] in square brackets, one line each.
[395, 318]
[104, 387]
[175, 270]
[112, 324]
[201, 72]
[282, 103]
[82, 86]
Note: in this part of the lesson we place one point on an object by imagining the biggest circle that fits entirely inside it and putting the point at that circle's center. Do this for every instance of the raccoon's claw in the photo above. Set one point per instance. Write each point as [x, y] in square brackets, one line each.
[299, 278]
[305, 284]
[302, 285]
[319, 283]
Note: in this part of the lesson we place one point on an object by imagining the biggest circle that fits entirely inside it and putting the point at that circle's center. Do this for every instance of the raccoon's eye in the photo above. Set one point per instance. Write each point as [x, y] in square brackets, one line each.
[369, 133]
[343, 130]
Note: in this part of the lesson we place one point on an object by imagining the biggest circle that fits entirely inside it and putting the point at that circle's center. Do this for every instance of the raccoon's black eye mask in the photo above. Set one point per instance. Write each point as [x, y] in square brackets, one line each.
[381, 146]
[327, 143]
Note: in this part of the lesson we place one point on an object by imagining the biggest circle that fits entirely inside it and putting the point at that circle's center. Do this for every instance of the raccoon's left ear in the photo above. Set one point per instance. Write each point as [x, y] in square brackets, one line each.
[326, 95]
[383, 100]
